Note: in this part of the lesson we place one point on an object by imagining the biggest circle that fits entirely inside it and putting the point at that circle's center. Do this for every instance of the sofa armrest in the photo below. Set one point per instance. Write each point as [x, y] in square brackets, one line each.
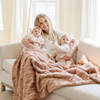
[89, 48]
[9, 51]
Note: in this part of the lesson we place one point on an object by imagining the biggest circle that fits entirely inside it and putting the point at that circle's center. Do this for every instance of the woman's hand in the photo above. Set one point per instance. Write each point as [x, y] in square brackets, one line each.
[31, 40]
[48, 56]
[68, 55]
[26, 43]
[53, 42]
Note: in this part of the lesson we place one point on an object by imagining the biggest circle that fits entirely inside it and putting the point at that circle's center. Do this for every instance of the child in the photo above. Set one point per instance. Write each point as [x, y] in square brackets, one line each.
[34, 36]
[60, 50]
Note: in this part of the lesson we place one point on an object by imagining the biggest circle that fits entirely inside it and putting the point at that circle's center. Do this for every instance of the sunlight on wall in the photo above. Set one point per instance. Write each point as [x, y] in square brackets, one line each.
[46, 8]
[98, 21]
[1, 24]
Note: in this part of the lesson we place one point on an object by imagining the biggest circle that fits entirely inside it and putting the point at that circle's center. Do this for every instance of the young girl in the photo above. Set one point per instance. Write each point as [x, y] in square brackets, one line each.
[59, 51]
[34, 36]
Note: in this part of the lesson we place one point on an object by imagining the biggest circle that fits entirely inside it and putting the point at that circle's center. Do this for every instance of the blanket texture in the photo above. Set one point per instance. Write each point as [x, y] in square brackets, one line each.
[34, 76]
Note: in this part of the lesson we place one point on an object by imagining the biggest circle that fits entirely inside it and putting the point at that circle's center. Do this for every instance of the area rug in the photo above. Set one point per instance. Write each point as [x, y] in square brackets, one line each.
[6, 95]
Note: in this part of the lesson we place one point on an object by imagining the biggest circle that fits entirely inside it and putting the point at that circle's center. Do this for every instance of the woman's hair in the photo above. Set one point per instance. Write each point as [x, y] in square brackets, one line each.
[52, 33]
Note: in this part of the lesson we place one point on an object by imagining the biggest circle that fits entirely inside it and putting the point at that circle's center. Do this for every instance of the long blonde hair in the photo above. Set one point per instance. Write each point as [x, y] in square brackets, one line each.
[52, 33]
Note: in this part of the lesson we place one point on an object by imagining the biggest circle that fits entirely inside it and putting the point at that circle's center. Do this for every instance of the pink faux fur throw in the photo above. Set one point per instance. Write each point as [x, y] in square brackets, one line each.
[34, 76]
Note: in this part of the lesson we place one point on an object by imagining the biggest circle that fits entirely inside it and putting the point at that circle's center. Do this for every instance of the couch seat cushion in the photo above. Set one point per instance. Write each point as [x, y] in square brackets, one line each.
[82, 92]
[8, 64]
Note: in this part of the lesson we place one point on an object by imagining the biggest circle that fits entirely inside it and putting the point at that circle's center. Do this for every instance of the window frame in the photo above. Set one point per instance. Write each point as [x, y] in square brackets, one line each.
[1, 28]
[34, 7]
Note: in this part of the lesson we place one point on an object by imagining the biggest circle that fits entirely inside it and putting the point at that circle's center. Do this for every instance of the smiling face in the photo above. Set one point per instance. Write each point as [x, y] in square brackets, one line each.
[44, 24]
[65, 40]
[36, 32]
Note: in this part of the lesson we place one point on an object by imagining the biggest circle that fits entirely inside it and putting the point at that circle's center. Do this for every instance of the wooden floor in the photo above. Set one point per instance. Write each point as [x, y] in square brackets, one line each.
[7, 94]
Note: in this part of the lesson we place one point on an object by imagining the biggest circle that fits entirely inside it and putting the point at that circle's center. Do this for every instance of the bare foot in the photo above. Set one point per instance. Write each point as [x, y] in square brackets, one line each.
[65, 68]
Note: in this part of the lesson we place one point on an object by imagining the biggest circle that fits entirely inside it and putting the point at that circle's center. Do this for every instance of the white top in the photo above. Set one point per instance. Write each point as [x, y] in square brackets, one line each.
[59, 51]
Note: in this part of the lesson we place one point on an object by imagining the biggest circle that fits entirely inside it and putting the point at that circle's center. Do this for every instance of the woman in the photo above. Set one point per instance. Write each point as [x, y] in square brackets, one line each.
[49, 34]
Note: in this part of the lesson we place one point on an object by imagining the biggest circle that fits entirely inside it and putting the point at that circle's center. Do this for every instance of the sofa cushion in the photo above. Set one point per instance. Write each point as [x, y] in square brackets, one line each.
[91, 49]
[82, 92]
[53, 96]
[8, 64]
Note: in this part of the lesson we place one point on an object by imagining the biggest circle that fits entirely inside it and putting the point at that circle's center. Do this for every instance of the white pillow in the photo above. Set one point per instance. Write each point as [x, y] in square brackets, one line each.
[91, 49]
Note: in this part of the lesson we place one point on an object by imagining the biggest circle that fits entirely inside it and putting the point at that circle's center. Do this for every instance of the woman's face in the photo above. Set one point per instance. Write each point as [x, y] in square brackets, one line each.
[43, 24]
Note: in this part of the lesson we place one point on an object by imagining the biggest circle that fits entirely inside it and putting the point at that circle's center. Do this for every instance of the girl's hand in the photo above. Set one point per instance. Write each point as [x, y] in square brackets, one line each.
[42, 43]
[39, 43]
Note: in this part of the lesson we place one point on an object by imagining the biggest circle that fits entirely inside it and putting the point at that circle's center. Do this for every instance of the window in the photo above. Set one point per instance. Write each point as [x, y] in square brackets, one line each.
[98, 21]
[44, 6]
[1, 24]
[48, 8]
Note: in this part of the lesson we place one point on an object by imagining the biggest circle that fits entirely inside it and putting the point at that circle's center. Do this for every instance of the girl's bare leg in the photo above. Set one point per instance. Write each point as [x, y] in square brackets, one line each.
[67, 64]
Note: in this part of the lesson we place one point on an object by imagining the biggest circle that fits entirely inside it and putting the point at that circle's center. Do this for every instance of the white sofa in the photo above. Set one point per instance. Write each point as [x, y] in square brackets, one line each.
[91, 49]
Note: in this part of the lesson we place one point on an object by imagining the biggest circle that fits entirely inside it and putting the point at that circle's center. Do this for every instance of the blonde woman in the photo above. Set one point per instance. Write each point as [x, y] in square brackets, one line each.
[50, 35]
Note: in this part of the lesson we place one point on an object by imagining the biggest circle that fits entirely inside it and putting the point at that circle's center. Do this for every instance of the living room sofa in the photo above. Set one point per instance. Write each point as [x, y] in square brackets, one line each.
[9, 52]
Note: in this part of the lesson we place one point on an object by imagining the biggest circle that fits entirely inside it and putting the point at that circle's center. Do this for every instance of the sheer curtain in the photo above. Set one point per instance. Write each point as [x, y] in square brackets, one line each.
[80, 17]
[15, 17]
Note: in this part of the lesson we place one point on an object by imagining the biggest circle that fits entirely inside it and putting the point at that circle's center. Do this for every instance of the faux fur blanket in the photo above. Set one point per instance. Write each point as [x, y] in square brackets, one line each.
[34, 76]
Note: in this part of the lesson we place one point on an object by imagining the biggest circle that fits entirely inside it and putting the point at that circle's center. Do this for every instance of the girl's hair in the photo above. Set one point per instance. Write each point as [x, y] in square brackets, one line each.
[65, 36]
[36, 27]
[52, 33]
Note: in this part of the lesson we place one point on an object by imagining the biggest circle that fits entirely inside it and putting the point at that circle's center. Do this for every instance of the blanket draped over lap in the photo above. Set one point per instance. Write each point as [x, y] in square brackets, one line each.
[34, 76]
